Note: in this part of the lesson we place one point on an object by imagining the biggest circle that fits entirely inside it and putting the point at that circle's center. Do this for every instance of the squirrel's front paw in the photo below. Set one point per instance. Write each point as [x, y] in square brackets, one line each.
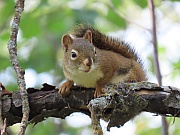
[64, 89]
[99, 92]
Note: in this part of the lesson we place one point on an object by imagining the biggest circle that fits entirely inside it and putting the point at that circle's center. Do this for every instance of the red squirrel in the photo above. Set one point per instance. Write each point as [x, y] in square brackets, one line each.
[93, 60]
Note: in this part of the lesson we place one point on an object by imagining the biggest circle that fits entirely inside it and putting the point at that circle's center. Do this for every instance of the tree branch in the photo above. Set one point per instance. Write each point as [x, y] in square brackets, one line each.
[12, 47]
[123, 101]
[156, 59]
[154, 42]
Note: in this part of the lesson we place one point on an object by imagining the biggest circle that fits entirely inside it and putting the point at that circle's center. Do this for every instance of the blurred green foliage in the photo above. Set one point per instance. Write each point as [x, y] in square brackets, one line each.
[43, 128]
[42, 25]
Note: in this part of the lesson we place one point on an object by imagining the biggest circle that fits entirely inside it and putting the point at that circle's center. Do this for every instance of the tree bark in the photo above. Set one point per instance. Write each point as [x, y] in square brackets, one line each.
[121, 103]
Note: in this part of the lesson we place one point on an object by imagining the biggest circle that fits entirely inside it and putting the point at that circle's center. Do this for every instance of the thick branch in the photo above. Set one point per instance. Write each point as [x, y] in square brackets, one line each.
[123, 101]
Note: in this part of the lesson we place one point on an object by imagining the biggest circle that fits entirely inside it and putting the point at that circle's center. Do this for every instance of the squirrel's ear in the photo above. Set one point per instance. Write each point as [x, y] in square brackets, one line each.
[66, 41]
[88, 36]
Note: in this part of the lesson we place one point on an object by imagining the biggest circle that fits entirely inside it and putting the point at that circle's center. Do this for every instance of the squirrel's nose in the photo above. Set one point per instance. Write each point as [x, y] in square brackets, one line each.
[87, 62]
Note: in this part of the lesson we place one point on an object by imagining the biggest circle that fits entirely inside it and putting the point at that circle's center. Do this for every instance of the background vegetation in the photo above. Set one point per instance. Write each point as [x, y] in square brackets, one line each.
[39, 50]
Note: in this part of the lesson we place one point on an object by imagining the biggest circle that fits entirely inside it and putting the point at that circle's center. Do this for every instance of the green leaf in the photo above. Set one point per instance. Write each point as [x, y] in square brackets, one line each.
[47, 127]
[114, 18]
[175, 0]
[55, 23]
[151, 68]
[162, 50]
[42, 58]
[117, 3]
[85, 16]
[4, 63]
[7, 9]
[30, 25]
[4, 35]
[150, 131]
[141, 3]
[176, 64]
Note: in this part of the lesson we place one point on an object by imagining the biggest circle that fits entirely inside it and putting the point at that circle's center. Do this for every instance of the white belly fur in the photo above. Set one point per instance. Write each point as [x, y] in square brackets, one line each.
[87, 80]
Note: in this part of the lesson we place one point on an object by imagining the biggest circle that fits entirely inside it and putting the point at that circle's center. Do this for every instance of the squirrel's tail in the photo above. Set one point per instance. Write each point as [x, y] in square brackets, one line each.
[102, 41]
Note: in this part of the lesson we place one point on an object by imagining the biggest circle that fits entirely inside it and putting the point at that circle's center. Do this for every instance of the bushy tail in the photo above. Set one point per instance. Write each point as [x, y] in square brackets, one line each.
[102, 41]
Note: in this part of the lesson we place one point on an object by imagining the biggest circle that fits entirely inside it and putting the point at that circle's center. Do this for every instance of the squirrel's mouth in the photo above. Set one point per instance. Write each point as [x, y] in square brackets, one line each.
[86, 70]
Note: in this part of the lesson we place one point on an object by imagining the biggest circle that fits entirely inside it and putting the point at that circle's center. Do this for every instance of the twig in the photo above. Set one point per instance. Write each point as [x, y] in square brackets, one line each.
[12, 47]
[154, 42]
[156, 60]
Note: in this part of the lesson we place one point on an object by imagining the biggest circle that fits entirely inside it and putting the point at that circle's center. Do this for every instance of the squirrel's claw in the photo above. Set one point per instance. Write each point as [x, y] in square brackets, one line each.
[99, 92]
[64, 89]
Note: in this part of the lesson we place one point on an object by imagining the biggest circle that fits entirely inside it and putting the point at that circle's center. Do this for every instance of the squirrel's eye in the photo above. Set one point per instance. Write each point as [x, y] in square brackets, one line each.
[73, 55]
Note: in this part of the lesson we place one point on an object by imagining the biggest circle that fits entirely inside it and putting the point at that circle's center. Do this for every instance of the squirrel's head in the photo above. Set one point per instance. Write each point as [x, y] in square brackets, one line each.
[79, 53]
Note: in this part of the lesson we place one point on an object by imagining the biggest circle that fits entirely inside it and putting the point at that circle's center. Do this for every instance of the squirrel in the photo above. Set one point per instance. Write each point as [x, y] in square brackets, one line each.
[93, 60]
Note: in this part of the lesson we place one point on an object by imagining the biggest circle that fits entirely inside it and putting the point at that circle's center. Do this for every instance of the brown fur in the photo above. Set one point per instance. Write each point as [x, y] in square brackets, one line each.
[99, 59]
[102, 41]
